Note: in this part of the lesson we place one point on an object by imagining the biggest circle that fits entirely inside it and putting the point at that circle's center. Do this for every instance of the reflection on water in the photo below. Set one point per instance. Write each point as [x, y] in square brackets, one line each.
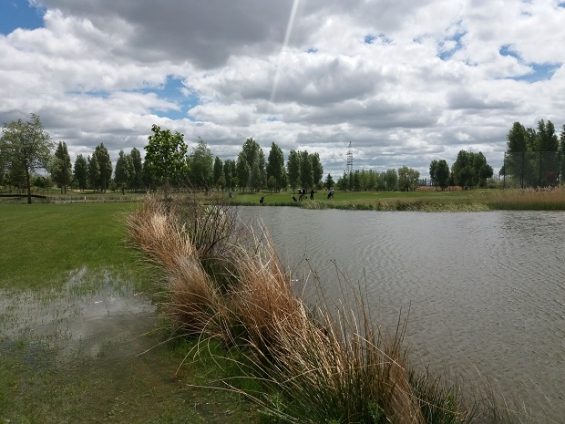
[82, 317]
[486, 291]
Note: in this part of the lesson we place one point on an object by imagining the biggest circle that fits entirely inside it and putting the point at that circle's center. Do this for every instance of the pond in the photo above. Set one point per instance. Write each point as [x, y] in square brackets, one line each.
[484, 292]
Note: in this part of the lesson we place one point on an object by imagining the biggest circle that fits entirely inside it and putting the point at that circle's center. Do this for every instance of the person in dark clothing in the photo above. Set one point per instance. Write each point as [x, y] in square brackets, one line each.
[262, 200]
[312, 195]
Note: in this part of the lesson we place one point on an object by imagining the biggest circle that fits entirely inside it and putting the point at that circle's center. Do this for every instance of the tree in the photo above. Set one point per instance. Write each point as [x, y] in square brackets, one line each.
[26, 146]
[61, 168]
[219, 173]
[93, 172]
[516, 162]
[317, 169]
[293, 169]
[201, 163]
[123, 172]
[546, 146]
[306, 174]
[136, 177]
[329, 182]
[230, 174]
[471, 169]
[407, 179]
[251, 165]
[391, 180]
[561, 155]
[275, 167]
[165, 157]
[80, 172]
[105, 167]
[439, 173]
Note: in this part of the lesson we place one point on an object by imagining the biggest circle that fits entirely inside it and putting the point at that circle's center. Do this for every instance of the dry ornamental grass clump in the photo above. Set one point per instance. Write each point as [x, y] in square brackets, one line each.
[224, 282]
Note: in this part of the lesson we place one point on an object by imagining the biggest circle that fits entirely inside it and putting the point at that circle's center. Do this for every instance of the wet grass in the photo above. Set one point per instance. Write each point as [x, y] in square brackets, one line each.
[80, 340]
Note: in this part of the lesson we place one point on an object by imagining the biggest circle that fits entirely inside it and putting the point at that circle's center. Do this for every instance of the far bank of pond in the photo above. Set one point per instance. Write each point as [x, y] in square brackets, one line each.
[485, 291]
[426, 201]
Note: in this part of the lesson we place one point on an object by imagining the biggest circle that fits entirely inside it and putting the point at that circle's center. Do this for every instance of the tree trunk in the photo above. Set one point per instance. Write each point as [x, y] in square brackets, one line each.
[28, 184]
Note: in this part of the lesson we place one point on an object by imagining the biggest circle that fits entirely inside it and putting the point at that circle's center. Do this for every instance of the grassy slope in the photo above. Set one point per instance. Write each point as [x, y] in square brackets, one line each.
[39, 245]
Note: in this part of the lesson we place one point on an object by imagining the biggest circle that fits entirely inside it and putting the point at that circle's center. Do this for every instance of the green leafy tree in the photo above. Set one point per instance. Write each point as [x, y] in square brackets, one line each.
[329, 182]
[293, 169]
[61, 168]
[136, 177]
[407, 179]
[105, 167]
[201, 166]
[516, 161]
[439, 173]
[317, 169]
[562, 155]
[471, 169]
[547, 145]
[165, 158]
[251, 166]
[242, 172]
[219, 173]
[80, 172]
[275, 167]
[123, 171]
[93, 172]
[391, 180]
[230, 174]
[25, 147]
[306, 174]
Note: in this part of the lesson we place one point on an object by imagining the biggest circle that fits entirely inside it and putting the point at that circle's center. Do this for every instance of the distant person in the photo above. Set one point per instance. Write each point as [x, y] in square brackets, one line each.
[312, 195]
[262, 200]
[302, 193]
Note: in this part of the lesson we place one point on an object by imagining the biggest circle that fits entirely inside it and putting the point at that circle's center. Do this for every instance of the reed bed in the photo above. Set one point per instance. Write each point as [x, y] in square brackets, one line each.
[529, 199]
[311, 364]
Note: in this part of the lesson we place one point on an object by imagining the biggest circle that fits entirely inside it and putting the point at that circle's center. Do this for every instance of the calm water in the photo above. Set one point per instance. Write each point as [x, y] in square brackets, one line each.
[486, 291]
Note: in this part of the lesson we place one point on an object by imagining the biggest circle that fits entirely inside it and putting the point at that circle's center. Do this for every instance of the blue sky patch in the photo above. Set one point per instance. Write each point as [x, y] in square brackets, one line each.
[172, 91]
[371, 39]
[446, 54]
[19, 14]
[540, 72]
[507, 50]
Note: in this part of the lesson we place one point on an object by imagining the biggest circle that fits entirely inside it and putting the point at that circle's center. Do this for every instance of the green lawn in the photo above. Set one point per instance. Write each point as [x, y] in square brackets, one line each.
[417, 200]
[41, 242]
[59, 363]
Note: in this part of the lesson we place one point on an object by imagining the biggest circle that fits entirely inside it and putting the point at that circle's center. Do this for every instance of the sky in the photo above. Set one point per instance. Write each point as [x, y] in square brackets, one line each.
[404, 81]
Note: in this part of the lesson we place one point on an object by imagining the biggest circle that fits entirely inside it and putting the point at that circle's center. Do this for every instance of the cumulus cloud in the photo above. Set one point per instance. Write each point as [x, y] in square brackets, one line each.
[405, 82]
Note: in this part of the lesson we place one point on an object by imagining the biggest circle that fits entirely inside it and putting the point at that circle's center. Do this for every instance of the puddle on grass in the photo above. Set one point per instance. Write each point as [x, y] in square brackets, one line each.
[72, 354]
[91, 315]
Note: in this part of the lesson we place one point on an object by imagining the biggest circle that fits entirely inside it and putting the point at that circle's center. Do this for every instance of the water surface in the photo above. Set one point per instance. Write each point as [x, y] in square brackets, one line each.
[485, 291]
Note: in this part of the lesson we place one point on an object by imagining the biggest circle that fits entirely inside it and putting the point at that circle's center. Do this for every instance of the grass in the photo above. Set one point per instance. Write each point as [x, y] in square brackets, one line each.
[104, 378]
[41, 242]
[468, 200]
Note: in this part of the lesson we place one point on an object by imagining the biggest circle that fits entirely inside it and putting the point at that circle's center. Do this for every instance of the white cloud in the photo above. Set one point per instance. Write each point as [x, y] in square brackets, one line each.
[438, 75]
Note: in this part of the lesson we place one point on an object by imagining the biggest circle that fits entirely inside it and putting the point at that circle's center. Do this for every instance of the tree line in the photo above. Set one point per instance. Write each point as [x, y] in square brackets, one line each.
[25, 148]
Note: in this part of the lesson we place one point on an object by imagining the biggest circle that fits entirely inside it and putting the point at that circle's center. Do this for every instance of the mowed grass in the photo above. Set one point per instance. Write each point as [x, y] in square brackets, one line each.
[39, 243]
